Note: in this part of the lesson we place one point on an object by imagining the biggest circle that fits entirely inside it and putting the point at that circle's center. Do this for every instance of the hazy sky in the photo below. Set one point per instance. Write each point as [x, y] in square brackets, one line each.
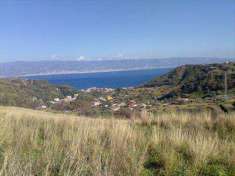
[73, 29]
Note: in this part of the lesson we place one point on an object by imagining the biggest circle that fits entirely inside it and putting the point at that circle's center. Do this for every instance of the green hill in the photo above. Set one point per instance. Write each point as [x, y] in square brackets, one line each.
[28, 93]
[197, 79]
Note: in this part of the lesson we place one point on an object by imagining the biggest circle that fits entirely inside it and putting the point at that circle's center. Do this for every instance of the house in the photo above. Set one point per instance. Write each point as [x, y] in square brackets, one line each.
[143, 105]
[179, 101]
[115, 108]
[52, 102]
[68, 99]
[102, 99]
[74, 98]
[56, 99]
[96, 103]
[122, 104]
[108, 90]
[90, 89]
[109, 98]
[43, 107]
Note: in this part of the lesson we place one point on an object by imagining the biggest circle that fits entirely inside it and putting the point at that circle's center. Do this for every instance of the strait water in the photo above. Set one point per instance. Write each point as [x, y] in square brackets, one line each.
[116, 79]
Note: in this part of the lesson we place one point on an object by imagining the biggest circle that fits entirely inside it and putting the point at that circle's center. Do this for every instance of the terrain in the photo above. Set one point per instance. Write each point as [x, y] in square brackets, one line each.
[44, 143]
[189, 88]
[141, 131]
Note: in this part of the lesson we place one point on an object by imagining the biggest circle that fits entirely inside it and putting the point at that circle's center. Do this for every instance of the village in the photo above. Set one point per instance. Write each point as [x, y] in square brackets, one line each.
[106, 100]
[125, 101]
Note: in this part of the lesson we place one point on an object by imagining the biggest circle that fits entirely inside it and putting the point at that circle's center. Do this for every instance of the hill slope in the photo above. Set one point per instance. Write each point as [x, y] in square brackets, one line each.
[203, 79]
[41, 143]
[29, 93]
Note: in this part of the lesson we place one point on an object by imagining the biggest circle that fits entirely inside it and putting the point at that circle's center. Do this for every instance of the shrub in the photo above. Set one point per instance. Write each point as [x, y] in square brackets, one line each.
[218, 167]
[147, 172]
[213, 170]
[223, 108]
[225, 128]
[185, 154]
[123, 113]
[233, 104]
[154, 162]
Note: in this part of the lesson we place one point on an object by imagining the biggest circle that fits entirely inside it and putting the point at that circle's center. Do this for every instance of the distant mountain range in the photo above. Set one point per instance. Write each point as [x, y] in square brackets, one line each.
[23, 68]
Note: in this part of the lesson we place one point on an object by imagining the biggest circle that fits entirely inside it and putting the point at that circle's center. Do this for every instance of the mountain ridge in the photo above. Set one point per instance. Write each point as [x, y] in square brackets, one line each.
[25, 68]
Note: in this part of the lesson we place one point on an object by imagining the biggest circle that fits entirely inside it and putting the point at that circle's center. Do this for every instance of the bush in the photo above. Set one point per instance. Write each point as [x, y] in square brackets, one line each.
[146, 172]
[123, 113]
[225, 129]
[213, 170]
[223, 108]
[185, 154]
[154, 162]
[233, 104]
[218, 167]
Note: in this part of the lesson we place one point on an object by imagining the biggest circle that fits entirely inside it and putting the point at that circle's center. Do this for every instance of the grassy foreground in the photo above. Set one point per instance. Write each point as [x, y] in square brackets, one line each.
[41, 143]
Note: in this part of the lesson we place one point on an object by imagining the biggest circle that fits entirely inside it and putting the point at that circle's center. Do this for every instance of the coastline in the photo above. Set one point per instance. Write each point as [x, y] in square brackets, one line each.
[91, 72]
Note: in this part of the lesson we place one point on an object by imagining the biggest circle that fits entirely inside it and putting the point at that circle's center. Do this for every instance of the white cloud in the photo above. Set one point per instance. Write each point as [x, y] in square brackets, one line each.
[119, 55]
[54, 56]
[81, 58]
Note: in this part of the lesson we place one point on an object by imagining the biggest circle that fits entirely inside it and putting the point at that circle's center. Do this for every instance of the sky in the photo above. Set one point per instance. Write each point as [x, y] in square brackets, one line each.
[93, 29]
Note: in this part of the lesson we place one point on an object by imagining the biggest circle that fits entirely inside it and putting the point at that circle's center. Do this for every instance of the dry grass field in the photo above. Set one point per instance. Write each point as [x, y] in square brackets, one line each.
[173, 144]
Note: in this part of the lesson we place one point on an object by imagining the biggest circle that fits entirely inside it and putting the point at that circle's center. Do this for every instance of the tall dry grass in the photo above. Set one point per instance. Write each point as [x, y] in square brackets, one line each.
[42, 143]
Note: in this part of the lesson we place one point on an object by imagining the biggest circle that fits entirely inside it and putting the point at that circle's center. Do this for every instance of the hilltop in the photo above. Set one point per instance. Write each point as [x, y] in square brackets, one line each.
[200, 80]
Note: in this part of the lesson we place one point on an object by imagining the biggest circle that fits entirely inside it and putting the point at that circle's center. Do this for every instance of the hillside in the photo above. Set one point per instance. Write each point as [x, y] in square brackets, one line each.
[190, 88]
[42, 143]
[197, 79]
[29, 93]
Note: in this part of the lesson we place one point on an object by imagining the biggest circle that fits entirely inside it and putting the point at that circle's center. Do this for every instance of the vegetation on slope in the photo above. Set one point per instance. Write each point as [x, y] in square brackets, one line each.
[29, 93]
[34, 143]
[197, 79]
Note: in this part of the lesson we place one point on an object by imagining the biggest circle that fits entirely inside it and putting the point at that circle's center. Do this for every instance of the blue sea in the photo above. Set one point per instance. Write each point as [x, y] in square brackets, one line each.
[116, 79]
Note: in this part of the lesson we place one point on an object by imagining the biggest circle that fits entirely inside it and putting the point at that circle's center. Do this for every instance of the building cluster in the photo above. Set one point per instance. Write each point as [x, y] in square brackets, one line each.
[57, 100]
[115, 105]
[67, 99]
[105, 99]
